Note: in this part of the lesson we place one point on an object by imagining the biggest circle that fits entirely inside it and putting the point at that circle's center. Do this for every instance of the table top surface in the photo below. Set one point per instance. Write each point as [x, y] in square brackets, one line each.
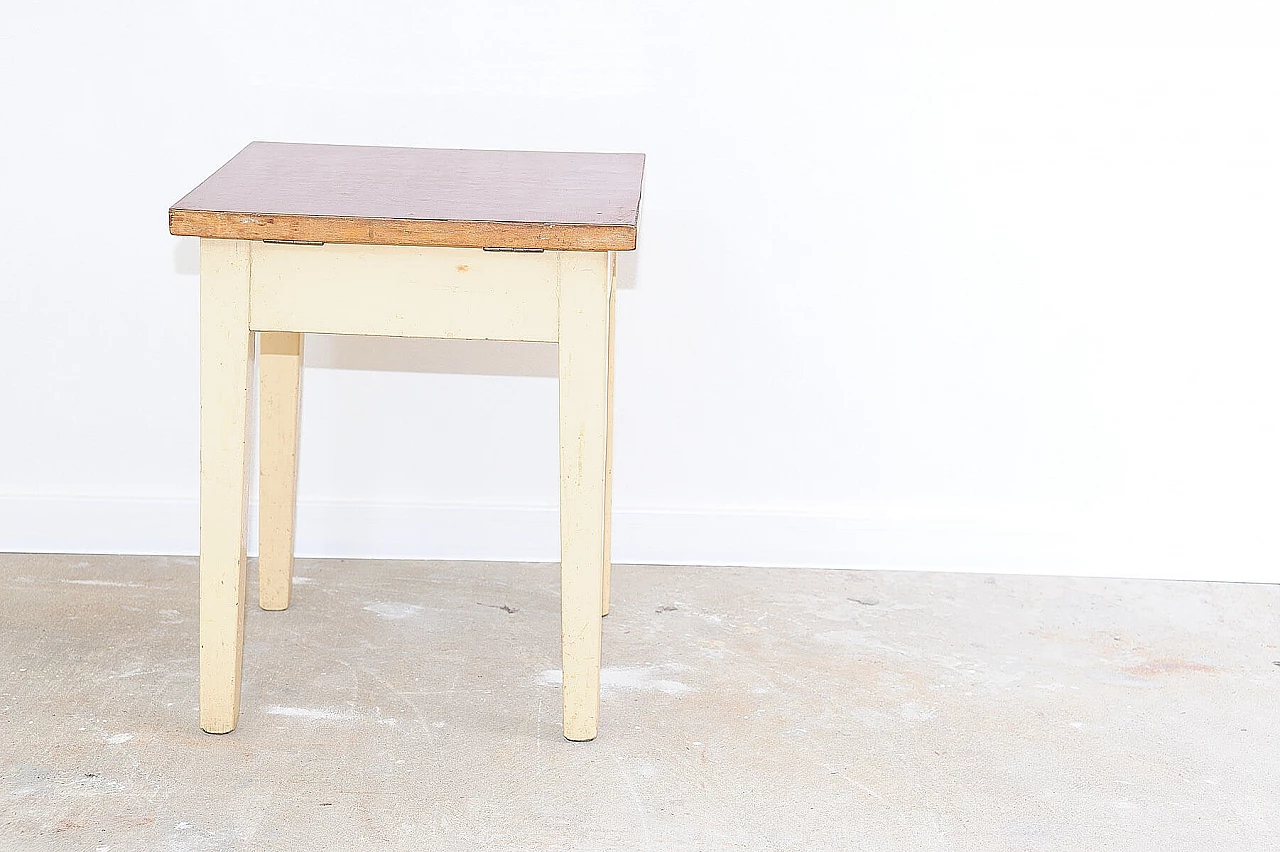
[418, 196]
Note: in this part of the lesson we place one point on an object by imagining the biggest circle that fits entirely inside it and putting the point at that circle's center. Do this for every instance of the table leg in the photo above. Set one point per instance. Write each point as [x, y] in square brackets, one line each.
[226, 355]
[608, 438]
[584, 357]
[279, 395]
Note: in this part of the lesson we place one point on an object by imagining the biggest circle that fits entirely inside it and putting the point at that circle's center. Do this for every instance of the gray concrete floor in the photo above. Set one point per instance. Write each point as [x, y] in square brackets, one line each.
[414, 705]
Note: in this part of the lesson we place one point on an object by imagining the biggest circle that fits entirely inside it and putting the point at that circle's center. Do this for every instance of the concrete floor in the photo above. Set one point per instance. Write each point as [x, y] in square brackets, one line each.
[403, 705]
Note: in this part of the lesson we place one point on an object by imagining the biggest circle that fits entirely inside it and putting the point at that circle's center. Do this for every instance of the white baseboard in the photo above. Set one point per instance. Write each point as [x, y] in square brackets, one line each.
[996, 542]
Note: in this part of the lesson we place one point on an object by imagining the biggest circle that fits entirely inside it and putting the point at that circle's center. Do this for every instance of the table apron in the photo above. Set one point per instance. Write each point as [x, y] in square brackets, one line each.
[405, 291]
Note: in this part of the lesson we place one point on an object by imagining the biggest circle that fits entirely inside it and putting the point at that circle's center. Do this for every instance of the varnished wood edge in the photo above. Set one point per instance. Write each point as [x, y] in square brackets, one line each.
[401, 232]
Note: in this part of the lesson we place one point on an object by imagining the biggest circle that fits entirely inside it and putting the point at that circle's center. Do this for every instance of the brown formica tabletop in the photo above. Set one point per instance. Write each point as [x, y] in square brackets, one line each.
[418, 197]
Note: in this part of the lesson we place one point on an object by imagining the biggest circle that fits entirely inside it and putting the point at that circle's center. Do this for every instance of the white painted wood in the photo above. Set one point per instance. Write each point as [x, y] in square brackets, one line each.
[404, 291]
[584, 354]
[226, 355]
[608, 439]
[279, 398]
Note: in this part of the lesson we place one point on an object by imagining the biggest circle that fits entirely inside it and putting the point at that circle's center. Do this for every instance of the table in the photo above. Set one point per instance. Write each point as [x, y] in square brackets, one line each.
[408, 242]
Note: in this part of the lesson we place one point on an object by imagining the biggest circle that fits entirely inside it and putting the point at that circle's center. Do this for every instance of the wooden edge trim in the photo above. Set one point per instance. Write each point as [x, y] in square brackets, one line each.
[401, 232]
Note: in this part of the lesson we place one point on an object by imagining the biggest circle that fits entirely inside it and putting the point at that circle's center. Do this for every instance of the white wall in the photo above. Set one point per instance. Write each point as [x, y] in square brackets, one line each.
[982, 285]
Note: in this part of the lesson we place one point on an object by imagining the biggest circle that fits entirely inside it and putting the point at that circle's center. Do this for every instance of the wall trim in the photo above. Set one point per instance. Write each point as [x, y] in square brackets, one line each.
[993, 541]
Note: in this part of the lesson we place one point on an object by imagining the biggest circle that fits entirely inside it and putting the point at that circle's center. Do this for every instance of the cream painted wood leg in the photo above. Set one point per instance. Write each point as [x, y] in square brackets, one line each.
[226, 357]
[608, 439]
[280, 392]
[584, 356]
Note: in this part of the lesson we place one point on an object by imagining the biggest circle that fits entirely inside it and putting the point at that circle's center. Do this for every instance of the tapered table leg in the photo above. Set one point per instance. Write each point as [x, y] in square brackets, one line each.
[584, 358]
[608, 438]
[279, 397]
[226, 355]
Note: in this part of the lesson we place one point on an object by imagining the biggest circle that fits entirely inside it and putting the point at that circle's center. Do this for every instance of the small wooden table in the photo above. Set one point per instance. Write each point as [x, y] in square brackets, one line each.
[493, 245]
